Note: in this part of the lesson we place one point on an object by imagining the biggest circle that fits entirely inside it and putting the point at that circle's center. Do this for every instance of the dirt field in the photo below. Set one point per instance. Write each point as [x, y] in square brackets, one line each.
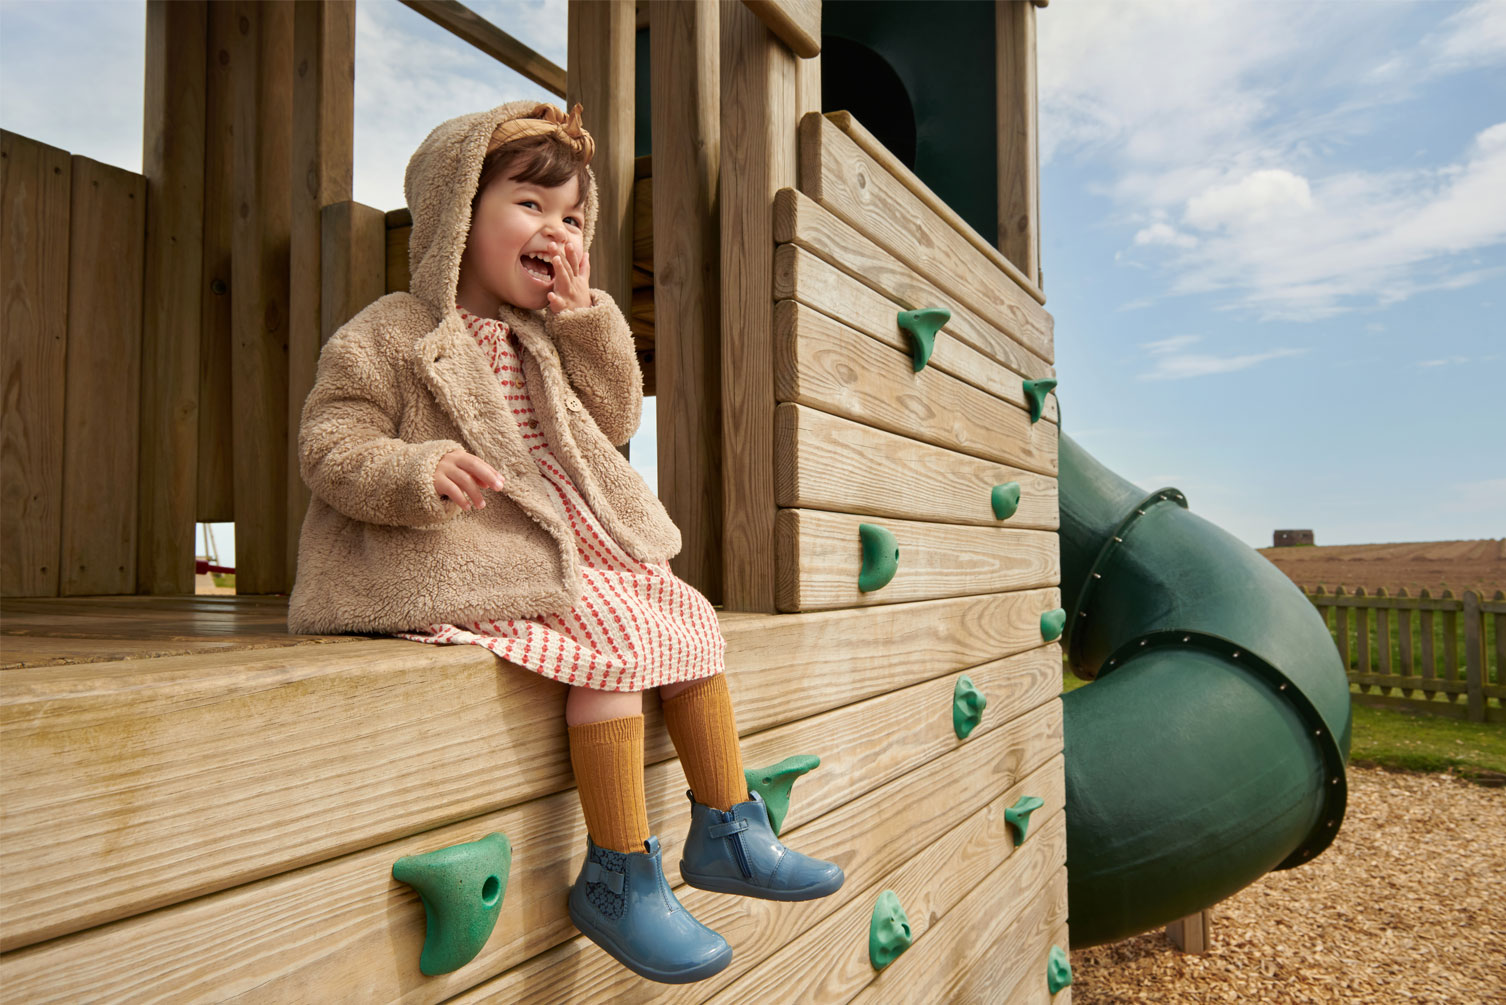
[1437, 565]
[1407, 905]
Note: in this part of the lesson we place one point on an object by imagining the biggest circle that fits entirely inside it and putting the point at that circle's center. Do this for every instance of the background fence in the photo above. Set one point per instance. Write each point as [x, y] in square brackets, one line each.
[1442, 655]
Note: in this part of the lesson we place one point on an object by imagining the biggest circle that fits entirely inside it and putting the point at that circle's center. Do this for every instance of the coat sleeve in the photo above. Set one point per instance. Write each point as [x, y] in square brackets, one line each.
[348, 451]
[596, 351]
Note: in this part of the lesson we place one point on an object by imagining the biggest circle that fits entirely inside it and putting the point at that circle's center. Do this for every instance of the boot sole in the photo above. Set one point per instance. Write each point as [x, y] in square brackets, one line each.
[688, 976]
[720, 884]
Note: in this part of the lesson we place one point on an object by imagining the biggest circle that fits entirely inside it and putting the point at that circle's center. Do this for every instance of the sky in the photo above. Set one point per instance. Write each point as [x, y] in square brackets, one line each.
[1273, 233]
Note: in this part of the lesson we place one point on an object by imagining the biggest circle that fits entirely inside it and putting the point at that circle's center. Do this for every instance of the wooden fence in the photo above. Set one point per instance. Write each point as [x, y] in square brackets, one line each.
[1442, 655]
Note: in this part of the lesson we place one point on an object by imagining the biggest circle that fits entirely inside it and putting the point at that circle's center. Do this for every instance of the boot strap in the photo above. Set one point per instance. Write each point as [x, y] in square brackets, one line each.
[596, 874]
[729, 827]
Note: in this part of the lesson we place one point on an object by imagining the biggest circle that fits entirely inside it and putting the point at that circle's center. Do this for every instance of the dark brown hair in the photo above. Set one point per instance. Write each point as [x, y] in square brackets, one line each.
[542, 160]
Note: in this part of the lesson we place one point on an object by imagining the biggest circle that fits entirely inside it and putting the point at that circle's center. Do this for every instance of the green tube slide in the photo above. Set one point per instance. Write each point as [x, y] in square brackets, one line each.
[1211, 746]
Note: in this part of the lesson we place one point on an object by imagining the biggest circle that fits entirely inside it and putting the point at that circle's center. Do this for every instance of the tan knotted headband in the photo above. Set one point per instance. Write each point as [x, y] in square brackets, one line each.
[546, 119]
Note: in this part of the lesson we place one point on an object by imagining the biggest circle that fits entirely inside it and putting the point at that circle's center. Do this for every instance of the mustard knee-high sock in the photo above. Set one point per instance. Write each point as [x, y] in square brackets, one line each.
[607, 758]
[700, 724]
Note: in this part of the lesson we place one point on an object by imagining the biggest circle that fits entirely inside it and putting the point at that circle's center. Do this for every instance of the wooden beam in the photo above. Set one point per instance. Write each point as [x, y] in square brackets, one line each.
[602, 59]
[354, 253]
[261, 66]
[216, 473]
[464, 23]
[758, 159]
[1019, 169]
[35, 187]
[324, 39]
[796, 22]
[106, 259]
[173, 163]
[686, 296]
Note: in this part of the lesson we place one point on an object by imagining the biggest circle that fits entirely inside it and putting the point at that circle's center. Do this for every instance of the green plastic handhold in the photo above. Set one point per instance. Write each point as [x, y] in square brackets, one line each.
[1006, 499]
[880, 557]
[967, 707]
[1052, 623]
[888, 932]
[774, 784]
[922, 326]
[1018, 816]
[1058, 970]
[461, 887]
[1035, 394]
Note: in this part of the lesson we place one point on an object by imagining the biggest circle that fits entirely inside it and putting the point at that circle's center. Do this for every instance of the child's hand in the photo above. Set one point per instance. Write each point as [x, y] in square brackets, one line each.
[461, 476]
[572, 278]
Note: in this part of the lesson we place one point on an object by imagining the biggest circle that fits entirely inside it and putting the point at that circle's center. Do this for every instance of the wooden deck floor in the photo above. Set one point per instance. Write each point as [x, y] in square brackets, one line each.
[56, 631]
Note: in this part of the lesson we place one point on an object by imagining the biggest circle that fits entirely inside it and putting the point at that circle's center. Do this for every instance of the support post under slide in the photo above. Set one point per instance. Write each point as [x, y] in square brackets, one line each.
[1211, 747]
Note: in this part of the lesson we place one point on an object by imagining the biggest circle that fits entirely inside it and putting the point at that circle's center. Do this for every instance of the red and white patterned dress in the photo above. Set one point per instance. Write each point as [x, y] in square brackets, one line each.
[636, 626]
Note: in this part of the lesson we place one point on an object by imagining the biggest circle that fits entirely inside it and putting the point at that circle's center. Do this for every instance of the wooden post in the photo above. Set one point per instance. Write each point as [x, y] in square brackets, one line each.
[1474, 657]
[324, 38]
[1429, 661]
[683, 35]
[1192, 934]
[1450, 621]
[1404, 642]
[173, 163]
[1019, 170]
[261, 67]
[759, 126]
[103, 396]
[216, 472]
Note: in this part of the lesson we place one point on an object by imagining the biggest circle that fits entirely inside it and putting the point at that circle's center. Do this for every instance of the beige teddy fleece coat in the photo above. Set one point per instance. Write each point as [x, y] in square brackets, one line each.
[403, 383]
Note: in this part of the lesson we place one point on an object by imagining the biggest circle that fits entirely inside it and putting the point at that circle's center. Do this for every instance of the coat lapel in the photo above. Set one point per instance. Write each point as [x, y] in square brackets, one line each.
[454, 368]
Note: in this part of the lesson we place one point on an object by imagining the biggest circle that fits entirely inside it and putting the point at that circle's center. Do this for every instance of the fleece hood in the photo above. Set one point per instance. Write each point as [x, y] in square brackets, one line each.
[440, 183]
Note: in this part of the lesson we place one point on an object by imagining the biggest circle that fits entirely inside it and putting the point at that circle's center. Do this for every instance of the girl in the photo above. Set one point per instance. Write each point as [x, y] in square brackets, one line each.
[459, 445]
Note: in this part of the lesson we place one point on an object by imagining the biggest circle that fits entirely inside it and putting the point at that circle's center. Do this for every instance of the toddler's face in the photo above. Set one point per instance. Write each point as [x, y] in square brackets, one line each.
[509, 241]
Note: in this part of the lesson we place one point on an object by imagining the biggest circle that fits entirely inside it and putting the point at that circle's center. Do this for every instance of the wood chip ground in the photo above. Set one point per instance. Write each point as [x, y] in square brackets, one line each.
[1407, 905]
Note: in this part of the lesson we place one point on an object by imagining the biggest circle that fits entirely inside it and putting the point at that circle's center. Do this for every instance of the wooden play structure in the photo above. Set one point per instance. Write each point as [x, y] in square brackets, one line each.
[198, 806]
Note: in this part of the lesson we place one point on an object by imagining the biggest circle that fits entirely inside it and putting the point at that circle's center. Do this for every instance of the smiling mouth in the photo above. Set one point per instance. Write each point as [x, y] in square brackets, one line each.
[539, 269]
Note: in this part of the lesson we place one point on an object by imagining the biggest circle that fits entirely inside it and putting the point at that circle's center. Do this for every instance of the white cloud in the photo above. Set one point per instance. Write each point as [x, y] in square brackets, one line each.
[1445, 361]
[1172, 363]
[1221, 126]
[1160, 347]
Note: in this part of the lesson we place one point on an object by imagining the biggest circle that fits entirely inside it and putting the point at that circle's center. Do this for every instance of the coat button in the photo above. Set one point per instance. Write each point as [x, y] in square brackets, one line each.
[572, 403]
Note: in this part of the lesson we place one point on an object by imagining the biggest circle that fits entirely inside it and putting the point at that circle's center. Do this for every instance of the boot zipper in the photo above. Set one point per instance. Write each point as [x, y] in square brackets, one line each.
[737, 847]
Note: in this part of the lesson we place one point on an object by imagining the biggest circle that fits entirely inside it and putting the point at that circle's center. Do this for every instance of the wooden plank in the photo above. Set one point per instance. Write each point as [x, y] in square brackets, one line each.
[801, 275]
[601, 78]
[1383, 634]
[684, 39]
[1500, 635]
[826, 462]
[1191, 934]
[902, 173]
[397, 251]
[291, 946]
[275, 726]
[214, 472]
[1450, 629]
[824, 364]
[1017, 132]
[173, 161]
[1418, 683]
[467, 25]
[102, 403]
[800, 220]
[1429, 664]
[1404, 639]
[261, 68]
[35, 193]
[353, 256]
[841, 176]
[821, 555]
[869, 837]
[1474, 657]
[796, 22]
[324, 38]
[758, 119]
[1341, 618]
[1362, 635]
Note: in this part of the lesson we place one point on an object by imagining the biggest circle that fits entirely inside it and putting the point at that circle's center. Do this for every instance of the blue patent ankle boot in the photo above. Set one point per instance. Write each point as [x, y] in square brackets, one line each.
[621, 902]
[736, 852]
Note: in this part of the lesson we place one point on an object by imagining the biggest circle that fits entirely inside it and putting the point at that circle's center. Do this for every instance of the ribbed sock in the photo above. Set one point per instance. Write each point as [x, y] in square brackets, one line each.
[700, 724]
[607, 758]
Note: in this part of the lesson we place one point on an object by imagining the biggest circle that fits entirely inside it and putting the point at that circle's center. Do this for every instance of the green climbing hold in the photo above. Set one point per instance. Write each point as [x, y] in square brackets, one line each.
[922, 326]
[880, 557]
[1035, 394]
[1052, 623]
[1018, 816]
[967, 707]
[1006, 499]
[888, 932]
[461, 888]
[774, 784]
[1058, 970]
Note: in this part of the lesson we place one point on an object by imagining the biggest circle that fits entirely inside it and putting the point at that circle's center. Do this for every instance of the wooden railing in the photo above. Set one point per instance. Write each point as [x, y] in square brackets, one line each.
[1443, 655]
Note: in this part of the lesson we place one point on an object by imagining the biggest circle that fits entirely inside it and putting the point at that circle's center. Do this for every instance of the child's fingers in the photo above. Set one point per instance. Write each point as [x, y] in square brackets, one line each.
[448, 489]
[484, 474]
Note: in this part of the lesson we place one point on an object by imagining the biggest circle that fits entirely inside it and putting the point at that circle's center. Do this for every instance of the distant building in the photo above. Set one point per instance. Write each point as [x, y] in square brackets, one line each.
[1288, 538]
